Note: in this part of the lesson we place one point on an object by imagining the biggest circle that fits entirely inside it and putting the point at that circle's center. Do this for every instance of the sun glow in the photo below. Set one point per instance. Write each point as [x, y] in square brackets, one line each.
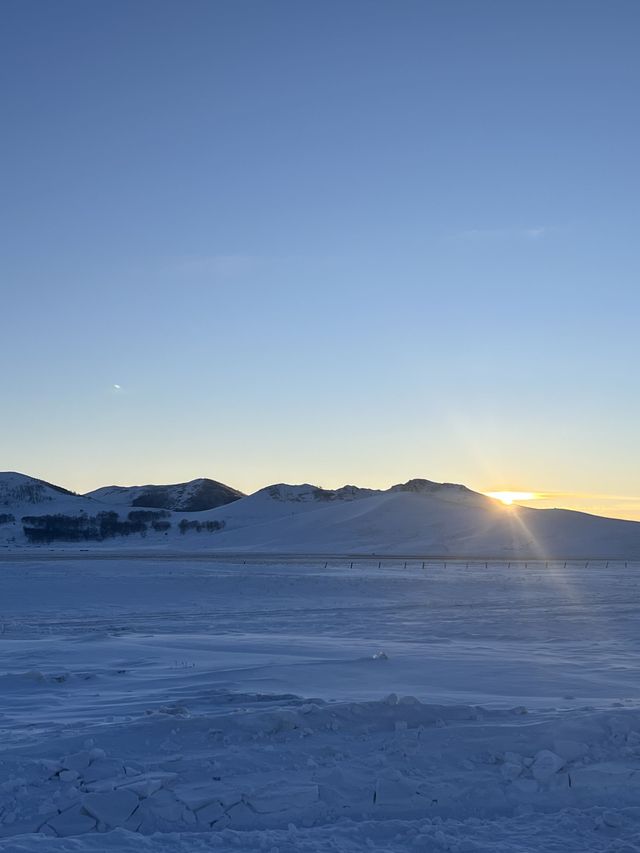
[508, 498]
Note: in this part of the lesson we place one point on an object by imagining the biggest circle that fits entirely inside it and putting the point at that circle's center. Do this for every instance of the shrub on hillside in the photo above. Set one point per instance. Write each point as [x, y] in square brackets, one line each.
[78, 528]
[209, 526]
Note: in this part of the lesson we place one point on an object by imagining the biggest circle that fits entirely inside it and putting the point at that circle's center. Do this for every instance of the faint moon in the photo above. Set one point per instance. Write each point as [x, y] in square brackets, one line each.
[117, 387]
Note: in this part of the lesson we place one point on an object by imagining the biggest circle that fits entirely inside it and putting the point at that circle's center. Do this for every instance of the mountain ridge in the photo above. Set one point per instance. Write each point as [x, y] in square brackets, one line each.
[419, 516]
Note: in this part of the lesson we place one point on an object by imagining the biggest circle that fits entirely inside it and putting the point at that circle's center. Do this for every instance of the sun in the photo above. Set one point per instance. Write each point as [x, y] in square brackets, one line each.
[507, 498]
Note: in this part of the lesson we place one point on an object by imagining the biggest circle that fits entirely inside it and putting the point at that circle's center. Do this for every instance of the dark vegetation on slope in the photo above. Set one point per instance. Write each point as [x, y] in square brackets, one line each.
[105, 525]
[34, 492]
[209, 494]
[147, 515]
[199, 526]
[78, 528]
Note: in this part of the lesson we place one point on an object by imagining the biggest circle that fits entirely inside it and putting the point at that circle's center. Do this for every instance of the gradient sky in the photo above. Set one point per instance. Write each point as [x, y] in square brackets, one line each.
[333, 241]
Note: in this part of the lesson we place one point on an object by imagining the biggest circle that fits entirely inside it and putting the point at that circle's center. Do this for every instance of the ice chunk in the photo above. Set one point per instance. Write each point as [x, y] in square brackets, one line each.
[525, 786]
[510, 770]
[209, 814]
[77, 760]
[241, 816]
[393, 788]
[546, 765]
[144, 787]
[112, 807]
[69, 775]
[570, 750]
[606, 778]
[281, 796]
[163, 805]
[103, 768]
[74, 821]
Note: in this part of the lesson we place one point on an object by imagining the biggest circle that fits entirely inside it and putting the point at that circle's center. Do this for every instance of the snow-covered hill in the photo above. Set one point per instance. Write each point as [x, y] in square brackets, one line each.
[22, 495]
[194, 496]
[418, 518]
[20, 490]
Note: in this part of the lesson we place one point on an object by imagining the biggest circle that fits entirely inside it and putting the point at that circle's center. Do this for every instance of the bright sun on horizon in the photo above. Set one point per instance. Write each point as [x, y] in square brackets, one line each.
[508, 498]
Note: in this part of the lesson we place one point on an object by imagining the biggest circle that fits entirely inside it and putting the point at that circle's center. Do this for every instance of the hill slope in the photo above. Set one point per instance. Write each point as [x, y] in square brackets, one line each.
[20, 490]
[194, 496]
[417, 518]
[21, 495]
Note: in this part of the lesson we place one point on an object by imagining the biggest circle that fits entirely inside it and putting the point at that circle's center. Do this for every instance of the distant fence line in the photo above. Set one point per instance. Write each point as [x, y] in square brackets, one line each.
[336, 561]
[394, 562]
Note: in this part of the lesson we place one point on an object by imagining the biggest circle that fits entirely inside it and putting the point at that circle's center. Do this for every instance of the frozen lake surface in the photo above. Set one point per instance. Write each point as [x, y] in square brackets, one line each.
[185, 703]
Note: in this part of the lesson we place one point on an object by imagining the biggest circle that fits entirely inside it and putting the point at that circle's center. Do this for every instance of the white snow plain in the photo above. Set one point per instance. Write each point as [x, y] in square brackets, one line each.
[187, 703]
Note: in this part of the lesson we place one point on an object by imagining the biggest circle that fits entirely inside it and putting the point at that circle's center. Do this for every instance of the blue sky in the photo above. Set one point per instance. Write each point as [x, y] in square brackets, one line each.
[329, 242]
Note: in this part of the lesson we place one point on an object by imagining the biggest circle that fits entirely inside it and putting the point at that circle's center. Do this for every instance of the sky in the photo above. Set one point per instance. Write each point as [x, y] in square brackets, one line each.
[347, 241]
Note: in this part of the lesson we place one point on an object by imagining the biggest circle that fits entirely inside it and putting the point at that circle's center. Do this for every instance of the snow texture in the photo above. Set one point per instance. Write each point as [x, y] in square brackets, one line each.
[190, 704]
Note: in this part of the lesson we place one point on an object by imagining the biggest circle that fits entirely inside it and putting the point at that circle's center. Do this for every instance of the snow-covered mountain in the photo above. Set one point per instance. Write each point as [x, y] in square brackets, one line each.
[194, 496]
[419, 518]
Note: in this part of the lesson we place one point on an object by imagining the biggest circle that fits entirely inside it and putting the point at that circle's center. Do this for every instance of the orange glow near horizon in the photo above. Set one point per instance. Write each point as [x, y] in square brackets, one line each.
[508, 498]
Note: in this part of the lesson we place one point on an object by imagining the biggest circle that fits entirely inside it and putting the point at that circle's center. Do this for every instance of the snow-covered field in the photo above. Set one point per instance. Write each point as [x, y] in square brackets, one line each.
[184, 703]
